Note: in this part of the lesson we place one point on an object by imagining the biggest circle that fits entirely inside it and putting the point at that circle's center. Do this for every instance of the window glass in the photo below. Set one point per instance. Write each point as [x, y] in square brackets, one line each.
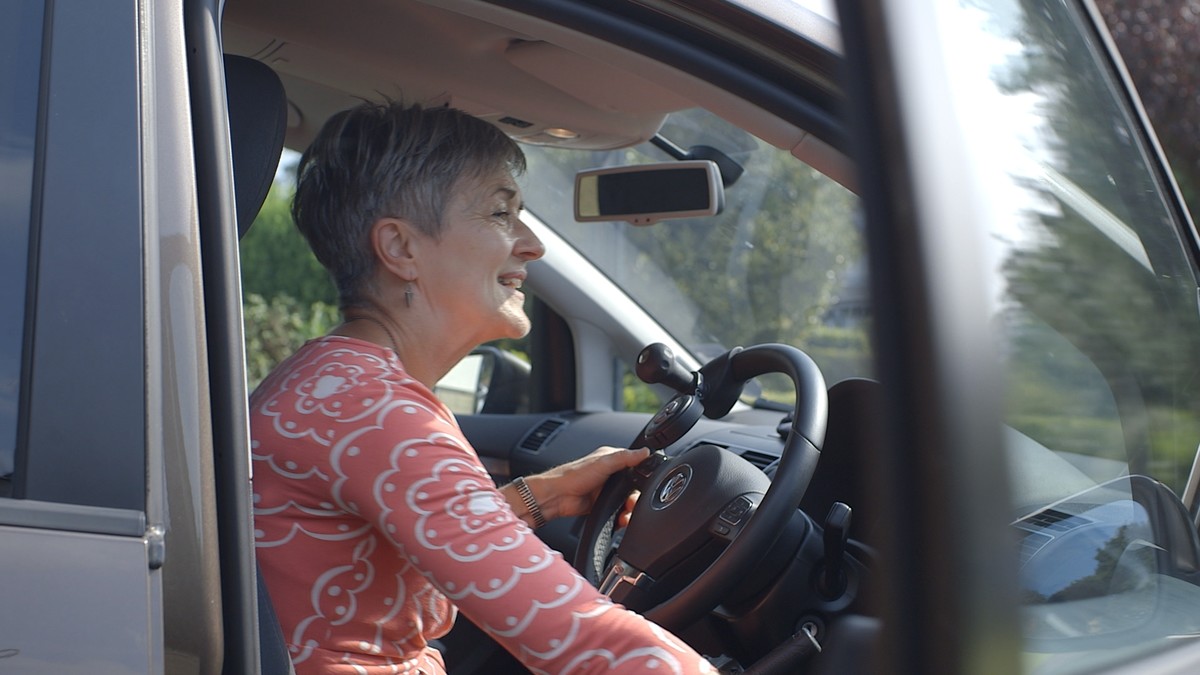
[1060, 399]
[20, 56]
[1088, 262]
[1095, 304]
[783, 262]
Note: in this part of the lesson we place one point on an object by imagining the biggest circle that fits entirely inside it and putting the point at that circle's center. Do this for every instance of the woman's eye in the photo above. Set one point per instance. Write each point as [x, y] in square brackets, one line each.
[507, 218]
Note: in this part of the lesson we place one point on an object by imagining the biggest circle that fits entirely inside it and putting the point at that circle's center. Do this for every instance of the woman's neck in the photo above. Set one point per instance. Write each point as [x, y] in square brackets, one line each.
[426, 359]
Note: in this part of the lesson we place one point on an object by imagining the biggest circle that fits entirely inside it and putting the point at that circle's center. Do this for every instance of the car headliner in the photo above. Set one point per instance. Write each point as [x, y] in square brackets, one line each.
[526, 75]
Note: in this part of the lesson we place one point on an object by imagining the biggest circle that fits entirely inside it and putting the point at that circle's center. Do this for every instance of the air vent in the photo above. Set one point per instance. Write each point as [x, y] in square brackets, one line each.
[760, 459]
[1042, 527]
[1053, 521]
[534, 441]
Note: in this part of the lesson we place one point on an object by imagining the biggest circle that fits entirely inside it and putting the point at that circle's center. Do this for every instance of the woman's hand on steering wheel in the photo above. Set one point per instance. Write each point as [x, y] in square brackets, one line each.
[570, 489]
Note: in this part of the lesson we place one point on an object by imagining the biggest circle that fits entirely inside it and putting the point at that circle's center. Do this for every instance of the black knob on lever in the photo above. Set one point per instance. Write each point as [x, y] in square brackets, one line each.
[831, 583]
[656, 363]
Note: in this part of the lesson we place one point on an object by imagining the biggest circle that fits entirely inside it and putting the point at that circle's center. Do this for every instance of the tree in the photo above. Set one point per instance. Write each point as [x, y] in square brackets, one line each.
[769, 268]
[276, 261]
[1159, 41]
[1134, 317]
[276, 327]
[287, 296]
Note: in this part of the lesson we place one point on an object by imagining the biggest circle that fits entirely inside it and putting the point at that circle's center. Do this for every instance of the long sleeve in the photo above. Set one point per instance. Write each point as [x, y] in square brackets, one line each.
[412, 510]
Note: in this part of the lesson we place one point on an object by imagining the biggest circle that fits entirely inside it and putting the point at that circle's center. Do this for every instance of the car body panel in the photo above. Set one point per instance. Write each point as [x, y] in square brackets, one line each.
[71, 580]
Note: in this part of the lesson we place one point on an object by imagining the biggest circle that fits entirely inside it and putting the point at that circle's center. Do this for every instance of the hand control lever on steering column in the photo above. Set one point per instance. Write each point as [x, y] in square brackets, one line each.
[831, 584]
[657, 364]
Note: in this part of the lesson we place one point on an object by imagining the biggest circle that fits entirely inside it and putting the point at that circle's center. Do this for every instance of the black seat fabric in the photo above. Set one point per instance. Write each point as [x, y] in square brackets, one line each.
[851, 441]
[257, 122]
[273, 656]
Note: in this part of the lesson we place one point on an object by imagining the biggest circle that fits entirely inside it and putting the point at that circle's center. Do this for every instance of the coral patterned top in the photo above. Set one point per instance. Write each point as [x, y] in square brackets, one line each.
[375, 522]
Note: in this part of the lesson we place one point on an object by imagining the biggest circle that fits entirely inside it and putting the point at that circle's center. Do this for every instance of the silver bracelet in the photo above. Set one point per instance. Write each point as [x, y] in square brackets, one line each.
[531, 504]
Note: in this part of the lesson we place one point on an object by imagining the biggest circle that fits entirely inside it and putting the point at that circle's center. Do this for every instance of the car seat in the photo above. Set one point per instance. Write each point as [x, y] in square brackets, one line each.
[257, 121]
[852, 438]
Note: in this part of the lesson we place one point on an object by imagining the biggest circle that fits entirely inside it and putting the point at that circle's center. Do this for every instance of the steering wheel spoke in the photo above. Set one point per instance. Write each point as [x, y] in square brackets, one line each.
[621, 580]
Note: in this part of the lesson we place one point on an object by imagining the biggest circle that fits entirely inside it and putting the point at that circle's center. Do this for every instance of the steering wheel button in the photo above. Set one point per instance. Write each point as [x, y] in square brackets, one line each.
[734, 512]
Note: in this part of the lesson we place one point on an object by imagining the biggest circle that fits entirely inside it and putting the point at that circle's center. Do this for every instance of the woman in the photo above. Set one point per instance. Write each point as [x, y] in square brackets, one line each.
[374, 519]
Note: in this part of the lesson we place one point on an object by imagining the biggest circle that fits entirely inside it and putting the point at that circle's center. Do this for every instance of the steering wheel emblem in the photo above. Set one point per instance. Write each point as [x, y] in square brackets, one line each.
[671, 488]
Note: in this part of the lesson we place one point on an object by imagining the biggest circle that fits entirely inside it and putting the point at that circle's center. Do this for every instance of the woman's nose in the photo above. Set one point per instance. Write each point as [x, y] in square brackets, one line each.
[528, 246]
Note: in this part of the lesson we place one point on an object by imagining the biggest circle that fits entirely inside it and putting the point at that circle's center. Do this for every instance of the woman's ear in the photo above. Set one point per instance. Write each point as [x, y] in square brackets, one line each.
[395, 242]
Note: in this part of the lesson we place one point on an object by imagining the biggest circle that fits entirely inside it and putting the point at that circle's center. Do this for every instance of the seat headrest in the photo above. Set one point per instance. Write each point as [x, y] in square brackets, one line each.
[257, 122]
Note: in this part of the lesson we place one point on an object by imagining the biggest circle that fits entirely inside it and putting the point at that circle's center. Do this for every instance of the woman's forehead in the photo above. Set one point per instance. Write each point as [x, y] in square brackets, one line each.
[498, 182]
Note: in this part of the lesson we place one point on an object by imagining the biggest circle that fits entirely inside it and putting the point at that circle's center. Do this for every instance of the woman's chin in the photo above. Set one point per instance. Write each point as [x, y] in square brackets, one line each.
[519, 329]
[516, 322]
[511, 326]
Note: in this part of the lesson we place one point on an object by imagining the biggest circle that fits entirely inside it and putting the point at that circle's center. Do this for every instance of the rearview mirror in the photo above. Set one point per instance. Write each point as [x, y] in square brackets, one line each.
[644, 194]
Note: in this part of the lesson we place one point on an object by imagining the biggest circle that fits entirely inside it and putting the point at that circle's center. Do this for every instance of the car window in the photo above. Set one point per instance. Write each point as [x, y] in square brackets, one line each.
[783, 262]
[21, 37]
[1058, 398]
[83, 425]
[1086, 245]
[1095, 306]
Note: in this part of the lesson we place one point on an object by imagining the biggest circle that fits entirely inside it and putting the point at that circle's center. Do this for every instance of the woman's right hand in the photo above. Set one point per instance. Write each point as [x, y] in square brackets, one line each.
[571, 489]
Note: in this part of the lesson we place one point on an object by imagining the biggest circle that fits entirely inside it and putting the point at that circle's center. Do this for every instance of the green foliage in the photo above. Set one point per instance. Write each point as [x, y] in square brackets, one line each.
[767, 269]
[786, 251]
[788, 243]
[1174, 431]
[1134, 329]
[276, 260]
[276, 327]
[637, 396]
[839, 351]
[287, 296]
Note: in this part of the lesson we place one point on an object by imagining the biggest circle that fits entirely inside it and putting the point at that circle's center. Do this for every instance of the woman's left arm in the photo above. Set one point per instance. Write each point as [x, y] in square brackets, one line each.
[571, 489]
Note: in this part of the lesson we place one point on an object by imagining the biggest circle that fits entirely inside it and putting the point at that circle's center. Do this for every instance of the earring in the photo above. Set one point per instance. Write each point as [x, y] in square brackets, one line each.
[408, 293]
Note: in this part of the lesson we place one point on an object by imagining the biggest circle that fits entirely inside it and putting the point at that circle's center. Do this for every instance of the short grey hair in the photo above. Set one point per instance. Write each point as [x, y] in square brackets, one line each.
[387, 159]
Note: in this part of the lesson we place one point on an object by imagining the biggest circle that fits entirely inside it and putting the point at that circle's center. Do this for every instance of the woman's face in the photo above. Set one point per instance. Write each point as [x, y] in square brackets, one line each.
[472, 274]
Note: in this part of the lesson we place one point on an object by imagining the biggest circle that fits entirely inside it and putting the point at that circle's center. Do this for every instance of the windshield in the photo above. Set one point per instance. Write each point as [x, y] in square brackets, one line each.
[783, 262]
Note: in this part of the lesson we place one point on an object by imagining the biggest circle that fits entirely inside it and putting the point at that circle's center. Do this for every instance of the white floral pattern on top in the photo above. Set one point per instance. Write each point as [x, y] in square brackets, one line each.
[375, 523]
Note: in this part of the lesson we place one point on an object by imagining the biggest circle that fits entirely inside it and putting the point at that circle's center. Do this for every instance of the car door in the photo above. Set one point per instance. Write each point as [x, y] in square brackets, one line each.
[107, 506]
[1007, 172]
[81, 544]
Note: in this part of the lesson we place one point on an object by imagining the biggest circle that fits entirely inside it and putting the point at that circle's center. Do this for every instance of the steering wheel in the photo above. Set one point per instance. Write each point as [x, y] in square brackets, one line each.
[704, 499]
